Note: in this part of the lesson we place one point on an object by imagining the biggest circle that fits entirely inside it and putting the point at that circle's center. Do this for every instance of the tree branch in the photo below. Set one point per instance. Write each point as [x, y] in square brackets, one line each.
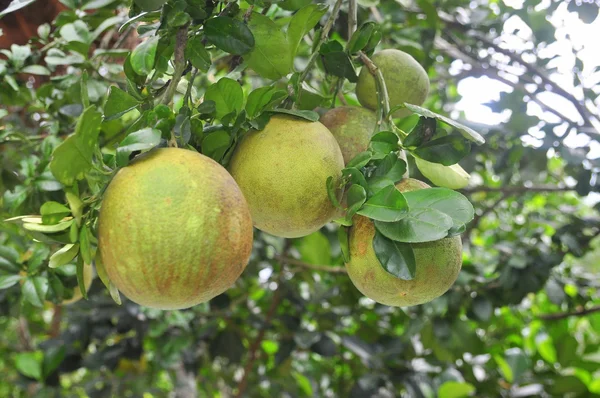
[252, 351]
[352, 18]
[326, 268]
[563, 315]
[179, 66]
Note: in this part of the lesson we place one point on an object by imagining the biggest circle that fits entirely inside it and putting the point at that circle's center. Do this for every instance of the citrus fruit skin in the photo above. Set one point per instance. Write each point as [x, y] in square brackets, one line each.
[174, 229]
[352, 127]
[150, 5]
[438, 264]
[405, 79]
[282, 171]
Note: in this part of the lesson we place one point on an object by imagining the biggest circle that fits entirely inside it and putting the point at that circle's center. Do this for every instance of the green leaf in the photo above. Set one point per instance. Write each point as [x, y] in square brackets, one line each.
[118, 103]
[215, 144]
[53, 212]
[197, 54]
[360, 160]
[453, 204]
[53, 356]
[48, 228]
[36, 70]
[143, 56]
[455, 389]
[85, 249]
[271, 57]
[64, 255]
[467, 132]
[419, 225]
[447, 150]
[229, 35]
[355, 199]
[387, 205]
[261, 98]
[85, 94]
[227, 95]
[389, 171]
[545, 347]
[452, 177]
[311, 116]
[35, 289]
[112, 289]
[396, 258]
[344, 244]
[314, 248]
[140, 140]
[72, 159]
[338, 63]
[332, 191]
[383, 143]
[7, 281]
[302, 22]
[80, 277]
[77, 31]
[355, 176]
[304, 384]
[421, 133]
[361, 37]
[30, 364]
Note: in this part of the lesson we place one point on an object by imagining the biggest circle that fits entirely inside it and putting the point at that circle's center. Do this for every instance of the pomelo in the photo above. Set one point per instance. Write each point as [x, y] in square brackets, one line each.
[405, 79]
[282, 171]
[174, 229]
[352, 127]
[438, 264]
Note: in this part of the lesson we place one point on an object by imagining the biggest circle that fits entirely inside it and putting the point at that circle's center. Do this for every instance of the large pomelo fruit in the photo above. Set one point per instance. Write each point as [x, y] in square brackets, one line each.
[352, 127]
[437, 264]
[282, 171]
[174, 229]
[405, 79]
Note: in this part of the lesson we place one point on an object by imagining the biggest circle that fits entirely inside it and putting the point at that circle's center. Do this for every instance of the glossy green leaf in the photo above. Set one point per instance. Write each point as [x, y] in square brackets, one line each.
[229, 35]
[455, 389]
[7, 281]
[64, 255]
[423, 132]
[30, 364]
[383, 143]
[53, 212]
[34, 290]
[143, 56]
[260, 99]
[311, 116]
[395, 257]
[112, 289]
[118, 103]
[73, 158]
[302, 22]
[447, 201]
[138, 141]
[271, 57]
[227, 95]
[447, 150]
[387, 205]
[419, 225]
[197, 54]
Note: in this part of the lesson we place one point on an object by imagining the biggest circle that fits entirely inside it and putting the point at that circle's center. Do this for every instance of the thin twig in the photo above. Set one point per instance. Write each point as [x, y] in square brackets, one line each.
[179, 66]
[252, 351]
[322, 38]
[352, 18]
[326, 268]
[383, 103]
[563, 315]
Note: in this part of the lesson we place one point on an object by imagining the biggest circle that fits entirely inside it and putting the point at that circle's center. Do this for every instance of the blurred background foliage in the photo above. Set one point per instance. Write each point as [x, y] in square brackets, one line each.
[522, 320]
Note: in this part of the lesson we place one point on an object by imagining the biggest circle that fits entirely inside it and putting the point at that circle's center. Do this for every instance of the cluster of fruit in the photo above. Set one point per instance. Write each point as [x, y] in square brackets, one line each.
[175, 228]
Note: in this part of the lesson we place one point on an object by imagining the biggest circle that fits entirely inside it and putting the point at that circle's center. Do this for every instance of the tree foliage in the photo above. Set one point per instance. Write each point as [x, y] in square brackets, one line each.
[105, 80]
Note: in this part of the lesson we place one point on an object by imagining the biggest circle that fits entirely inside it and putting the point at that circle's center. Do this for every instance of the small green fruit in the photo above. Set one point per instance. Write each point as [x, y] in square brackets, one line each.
[352, 127]
[282, 171]
[438, 264]
[405, 79]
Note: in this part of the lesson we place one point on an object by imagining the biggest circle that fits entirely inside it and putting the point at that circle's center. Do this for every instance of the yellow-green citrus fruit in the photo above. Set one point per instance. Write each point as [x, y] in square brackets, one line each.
[438, 264]
[174, 229]
[405, 79]
[88, 277]
[282, 171]
[150, 5]
[453, 176]
[352, 127]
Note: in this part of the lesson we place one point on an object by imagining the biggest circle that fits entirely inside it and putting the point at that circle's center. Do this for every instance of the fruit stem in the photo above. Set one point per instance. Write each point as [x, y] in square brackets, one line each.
[322, 38]
[179, 65]
[384, 116]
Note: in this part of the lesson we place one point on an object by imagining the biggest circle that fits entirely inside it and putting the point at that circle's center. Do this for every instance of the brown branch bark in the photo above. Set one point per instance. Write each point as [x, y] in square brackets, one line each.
[326, 268]
[24, 335]
[252, 352]
[55, 324]
[563, 315]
